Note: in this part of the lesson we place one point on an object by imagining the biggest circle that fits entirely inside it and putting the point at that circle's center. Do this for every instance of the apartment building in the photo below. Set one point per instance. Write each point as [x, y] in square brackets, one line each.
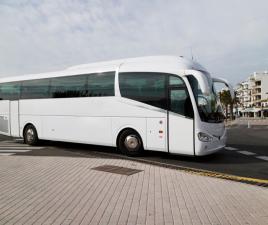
[253, 95]
[259, 89]
[243, 93]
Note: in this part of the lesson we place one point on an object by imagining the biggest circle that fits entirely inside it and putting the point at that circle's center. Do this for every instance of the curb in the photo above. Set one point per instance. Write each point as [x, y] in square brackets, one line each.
[201, 172]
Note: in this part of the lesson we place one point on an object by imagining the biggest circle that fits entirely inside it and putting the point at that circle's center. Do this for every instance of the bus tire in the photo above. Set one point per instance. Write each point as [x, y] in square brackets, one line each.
[30, 135]
[130, 143]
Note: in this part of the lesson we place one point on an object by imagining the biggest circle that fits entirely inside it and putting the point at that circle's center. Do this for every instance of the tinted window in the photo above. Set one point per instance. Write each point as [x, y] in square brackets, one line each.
[68, 87]
[148, 88]
[173, 80]
[101, 84]
[180, 102]
[10, 91]
[34, 89]
[195, 86]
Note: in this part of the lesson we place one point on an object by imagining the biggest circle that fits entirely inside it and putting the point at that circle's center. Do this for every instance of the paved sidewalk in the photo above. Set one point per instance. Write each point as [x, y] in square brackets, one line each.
[65, 190]
[247, 121]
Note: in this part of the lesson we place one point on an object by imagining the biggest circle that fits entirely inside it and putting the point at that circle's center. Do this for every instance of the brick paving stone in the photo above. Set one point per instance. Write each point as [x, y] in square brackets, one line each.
[64, 190]
[28, 191]
[39, 201]
[134, 207]
[159, 213]
[141, 216]
[55, 202]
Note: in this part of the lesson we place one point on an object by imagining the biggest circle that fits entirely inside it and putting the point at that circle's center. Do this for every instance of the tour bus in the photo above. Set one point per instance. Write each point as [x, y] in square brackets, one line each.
[160, 103]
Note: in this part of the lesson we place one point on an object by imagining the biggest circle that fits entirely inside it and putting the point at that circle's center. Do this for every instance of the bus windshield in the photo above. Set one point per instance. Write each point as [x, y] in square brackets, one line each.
[208, 105]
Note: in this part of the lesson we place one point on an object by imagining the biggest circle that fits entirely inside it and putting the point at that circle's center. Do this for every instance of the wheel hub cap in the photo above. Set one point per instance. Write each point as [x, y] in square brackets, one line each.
[30, 135]
[131, 142]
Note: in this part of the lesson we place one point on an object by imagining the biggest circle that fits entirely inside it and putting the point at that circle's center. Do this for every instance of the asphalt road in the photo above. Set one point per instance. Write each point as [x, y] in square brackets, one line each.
[247, 157]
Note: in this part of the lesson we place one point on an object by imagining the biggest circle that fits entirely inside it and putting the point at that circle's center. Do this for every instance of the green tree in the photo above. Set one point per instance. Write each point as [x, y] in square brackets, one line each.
[226, 100]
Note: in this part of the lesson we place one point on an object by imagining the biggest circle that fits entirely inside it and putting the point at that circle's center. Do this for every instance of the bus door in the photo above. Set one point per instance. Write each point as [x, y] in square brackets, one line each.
[14, 118]
[180, 122]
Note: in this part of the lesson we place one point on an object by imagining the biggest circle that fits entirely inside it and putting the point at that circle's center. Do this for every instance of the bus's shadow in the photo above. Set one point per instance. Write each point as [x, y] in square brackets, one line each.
[55, 148]
[108, 152]
[228, 162]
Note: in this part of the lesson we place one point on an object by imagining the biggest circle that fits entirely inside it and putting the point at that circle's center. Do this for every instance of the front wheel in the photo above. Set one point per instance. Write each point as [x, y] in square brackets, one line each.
[30, 135]
[130, 143]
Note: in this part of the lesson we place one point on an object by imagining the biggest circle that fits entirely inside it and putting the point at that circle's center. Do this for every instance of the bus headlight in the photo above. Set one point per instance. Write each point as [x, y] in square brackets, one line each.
[204, 137]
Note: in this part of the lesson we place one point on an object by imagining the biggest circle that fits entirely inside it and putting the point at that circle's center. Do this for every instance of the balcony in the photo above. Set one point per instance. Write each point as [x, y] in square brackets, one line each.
[256, 91]
[257, 84]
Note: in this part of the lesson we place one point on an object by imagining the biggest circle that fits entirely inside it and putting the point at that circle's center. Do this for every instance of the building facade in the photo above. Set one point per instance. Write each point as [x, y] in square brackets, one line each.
[253, 95]
[243, 93]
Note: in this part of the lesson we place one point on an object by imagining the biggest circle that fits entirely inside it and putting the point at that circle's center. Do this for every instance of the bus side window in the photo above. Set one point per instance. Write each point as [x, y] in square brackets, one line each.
[145, 87]
[10, 91]
[68, 87]
[175, 80]
[101, 84]
[179, 99]
[35, 89]
[180, 102]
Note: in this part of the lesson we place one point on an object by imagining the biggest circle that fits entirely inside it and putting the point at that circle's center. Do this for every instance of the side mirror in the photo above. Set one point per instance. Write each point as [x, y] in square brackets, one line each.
[202, 101]
[204, 80]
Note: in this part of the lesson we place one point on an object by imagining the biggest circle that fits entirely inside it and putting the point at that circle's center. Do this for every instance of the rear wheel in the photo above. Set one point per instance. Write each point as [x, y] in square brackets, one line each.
[30, 135]
[130, 143]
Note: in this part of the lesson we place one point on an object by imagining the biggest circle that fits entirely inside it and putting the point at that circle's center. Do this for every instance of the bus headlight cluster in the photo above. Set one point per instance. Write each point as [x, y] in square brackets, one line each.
[204, 137]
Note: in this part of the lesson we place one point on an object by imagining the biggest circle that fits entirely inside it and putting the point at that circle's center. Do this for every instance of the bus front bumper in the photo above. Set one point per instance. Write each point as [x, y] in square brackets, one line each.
[209, 147]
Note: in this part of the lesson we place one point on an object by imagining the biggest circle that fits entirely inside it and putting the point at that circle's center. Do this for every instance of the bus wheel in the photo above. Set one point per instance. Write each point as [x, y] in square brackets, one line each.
[130, 143]
[30, 135]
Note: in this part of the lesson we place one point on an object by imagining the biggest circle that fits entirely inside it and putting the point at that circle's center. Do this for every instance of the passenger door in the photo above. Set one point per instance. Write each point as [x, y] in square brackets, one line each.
[180, 121]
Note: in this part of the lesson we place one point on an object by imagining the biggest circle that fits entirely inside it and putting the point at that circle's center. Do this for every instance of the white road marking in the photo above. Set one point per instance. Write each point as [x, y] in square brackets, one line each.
[13, 141]
[21, 147]
[6, 154]
[246, 153]
[14, 151]
[19, 139]
[15, 145]
[10, 148]
[7, 141]
[262, 157]
[231, 148]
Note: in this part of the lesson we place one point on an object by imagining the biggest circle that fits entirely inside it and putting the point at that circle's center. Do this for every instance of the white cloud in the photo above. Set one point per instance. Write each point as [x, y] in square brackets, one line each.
[227, 37]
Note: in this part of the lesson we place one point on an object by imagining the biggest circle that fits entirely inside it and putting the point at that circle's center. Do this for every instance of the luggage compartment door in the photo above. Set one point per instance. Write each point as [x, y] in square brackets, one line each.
[157, 134]
[14, 118]
[4, 117]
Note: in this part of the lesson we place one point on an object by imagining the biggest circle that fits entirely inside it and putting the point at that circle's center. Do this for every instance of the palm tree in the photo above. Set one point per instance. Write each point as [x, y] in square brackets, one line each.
[226, 100]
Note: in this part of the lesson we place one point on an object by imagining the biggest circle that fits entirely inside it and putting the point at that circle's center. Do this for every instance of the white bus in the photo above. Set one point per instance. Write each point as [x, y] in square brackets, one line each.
[160, 103]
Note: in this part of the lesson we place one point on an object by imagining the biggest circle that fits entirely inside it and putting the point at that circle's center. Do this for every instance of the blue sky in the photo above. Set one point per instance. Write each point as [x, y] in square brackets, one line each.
[229, 38]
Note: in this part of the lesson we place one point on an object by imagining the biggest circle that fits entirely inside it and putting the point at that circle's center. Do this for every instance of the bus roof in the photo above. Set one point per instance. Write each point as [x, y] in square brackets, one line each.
[178, 61]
